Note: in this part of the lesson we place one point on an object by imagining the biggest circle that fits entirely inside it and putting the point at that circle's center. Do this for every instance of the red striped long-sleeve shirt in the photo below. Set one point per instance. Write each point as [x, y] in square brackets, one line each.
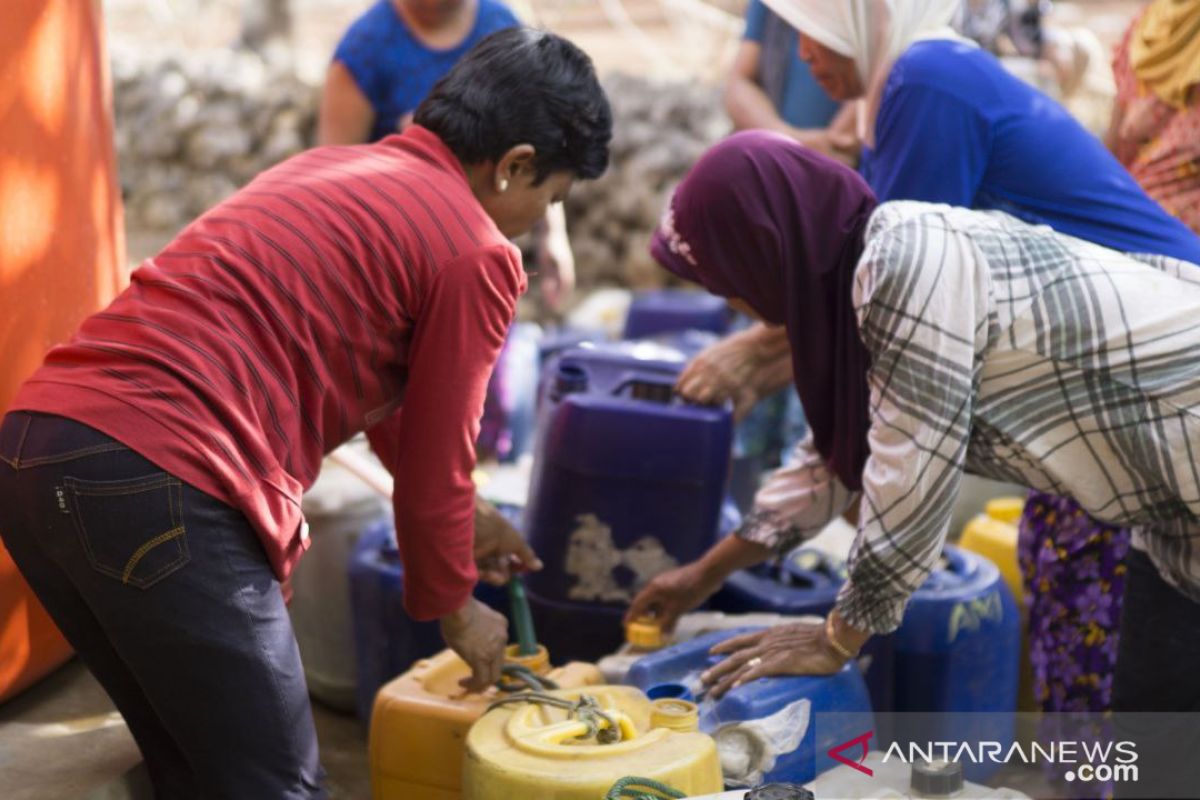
[348, 288]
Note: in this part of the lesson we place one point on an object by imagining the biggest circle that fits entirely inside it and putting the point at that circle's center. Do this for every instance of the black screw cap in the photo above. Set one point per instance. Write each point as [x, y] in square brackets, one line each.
[780, 791]
[936, 778]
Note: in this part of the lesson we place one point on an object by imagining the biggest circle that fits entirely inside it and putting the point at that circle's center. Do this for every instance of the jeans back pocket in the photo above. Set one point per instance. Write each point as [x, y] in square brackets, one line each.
[131, 530]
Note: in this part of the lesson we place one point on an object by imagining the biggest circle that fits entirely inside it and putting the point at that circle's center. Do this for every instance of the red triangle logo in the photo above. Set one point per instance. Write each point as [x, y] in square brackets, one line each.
[865, 742]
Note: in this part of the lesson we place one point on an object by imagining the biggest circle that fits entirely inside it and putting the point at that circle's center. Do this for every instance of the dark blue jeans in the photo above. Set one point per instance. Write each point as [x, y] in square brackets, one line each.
[168, 598]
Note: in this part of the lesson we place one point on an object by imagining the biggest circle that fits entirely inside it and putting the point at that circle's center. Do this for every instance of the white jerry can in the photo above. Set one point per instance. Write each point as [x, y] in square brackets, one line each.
[338, 508]
[891, 780]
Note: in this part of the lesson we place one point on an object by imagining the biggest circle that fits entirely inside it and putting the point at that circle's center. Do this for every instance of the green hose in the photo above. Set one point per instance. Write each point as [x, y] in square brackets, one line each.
[633, 788]
[522, 618]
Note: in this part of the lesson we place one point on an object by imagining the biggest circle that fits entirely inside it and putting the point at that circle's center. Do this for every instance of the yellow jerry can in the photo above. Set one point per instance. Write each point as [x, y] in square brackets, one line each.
[575, 744]
[420, 721]
[993, 535]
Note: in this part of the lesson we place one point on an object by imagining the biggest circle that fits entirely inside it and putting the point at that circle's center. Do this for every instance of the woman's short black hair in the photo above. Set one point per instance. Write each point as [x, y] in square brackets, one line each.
[523, 86]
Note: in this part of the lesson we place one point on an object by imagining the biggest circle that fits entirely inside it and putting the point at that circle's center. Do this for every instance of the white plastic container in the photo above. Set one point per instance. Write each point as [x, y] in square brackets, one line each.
[338, 508]
[892, 780]
[897, 780]
[604, 310]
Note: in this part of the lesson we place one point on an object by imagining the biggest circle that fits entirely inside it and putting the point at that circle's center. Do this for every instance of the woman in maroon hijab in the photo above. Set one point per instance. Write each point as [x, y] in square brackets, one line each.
[923, 346]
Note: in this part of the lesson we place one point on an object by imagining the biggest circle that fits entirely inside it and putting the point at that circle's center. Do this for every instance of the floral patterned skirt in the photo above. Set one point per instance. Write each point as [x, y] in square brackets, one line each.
[1074, 580]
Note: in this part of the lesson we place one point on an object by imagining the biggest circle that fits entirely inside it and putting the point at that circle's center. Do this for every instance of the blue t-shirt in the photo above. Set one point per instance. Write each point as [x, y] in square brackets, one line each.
[394, 69]
[804, 103]
[955, 127]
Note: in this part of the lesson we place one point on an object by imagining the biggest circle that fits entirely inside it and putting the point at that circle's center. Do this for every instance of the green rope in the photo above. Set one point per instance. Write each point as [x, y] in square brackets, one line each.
[634, 788]
[523, 678]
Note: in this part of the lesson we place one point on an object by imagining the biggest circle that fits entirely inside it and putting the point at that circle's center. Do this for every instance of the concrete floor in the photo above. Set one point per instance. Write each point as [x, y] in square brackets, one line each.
[343, 753]
[64, 740]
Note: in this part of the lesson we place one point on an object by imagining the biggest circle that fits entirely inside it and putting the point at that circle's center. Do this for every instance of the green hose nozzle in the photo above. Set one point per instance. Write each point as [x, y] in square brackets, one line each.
[522, 618]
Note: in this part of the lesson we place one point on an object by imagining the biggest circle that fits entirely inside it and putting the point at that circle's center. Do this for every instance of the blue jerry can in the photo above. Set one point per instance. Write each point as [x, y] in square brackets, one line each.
[805, 581]
[386, 640]
[660, 311]
[555, 341]
[956, 656]
[628, 481]
[773, 729]
[609, 363]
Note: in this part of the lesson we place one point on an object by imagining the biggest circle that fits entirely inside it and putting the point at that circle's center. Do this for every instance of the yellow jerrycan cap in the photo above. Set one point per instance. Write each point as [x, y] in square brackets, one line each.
[1005, 509]
[644, 633]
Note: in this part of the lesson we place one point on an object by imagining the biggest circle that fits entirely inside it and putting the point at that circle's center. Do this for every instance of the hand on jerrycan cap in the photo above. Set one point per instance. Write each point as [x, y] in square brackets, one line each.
[479, 636]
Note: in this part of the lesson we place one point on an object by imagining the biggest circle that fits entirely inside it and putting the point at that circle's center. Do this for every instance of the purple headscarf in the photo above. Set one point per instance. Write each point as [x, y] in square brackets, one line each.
[764, 219]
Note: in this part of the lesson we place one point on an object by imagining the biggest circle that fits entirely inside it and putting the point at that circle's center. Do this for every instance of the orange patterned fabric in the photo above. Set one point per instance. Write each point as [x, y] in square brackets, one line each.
[61, 248]
[1159, 144]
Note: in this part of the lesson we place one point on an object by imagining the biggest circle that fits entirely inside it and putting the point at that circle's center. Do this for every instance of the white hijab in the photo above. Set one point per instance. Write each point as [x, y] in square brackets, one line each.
[872, 32]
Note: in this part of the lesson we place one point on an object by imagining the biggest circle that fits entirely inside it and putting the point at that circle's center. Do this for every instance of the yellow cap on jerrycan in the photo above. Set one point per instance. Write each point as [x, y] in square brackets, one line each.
[1005, 509]
[574, 744]
[675, 714]
[420, 721]
[644, 633]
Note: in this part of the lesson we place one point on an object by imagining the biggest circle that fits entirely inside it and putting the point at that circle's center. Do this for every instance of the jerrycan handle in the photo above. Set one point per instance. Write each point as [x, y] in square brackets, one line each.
[560, 732]
[809, 568]
[646, 388]
[584, 718]
[656, 390]
[951, 570]
[781, 569]
[954, 563]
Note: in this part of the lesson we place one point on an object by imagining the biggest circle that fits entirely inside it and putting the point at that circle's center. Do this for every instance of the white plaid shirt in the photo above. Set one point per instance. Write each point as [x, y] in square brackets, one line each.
[1016, 353]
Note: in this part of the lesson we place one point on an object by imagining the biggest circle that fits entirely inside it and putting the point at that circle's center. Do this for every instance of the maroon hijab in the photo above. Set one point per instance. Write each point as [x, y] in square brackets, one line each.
[762, 218]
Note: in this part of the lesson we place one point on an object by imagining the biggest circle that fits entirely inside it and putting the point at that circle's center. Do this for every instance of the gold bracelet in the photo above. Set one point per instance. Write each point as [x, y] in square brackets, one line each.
[833, 642]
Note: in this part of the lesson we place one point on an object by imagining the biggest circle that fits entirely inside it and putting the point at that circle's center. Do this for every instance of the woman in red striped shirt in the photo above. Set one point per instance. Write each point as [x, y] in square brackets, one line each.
[153, 467]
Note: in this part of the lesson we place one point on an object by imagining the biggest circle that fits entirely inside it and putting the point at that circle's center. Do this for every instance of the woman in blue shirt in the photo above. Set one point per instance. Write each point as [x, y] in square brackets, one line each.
[770, 88]
[946, 123]
[390, 58]
[385, 65]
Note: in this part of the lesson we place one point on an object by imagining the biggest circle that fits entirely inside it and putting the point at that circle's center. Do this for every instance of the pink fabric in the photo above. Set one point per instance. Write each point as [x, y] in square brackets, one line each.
[1159, 145]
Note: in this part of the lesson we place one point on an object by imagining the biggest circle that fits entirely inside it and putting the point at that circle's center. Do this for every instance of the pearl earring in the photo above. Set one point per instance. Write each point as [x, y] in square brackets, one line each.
[504, 185]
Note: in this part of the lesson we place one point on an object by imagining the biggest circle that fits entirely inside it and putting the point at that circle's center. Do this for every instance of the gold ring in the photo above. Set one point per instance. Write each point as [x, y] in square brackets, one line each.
[754, 662]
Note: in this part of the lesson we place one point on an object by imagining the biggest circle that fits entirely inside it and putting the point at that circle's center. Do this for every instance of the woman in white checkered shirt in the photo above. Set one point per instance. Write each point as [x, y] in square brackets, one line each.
[929, 341]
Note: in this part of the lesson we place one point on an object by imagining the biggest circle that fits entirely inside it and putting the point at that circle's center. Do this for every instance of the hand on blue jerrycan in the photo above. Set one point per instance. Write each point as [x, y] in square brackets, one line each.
[771, 729]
